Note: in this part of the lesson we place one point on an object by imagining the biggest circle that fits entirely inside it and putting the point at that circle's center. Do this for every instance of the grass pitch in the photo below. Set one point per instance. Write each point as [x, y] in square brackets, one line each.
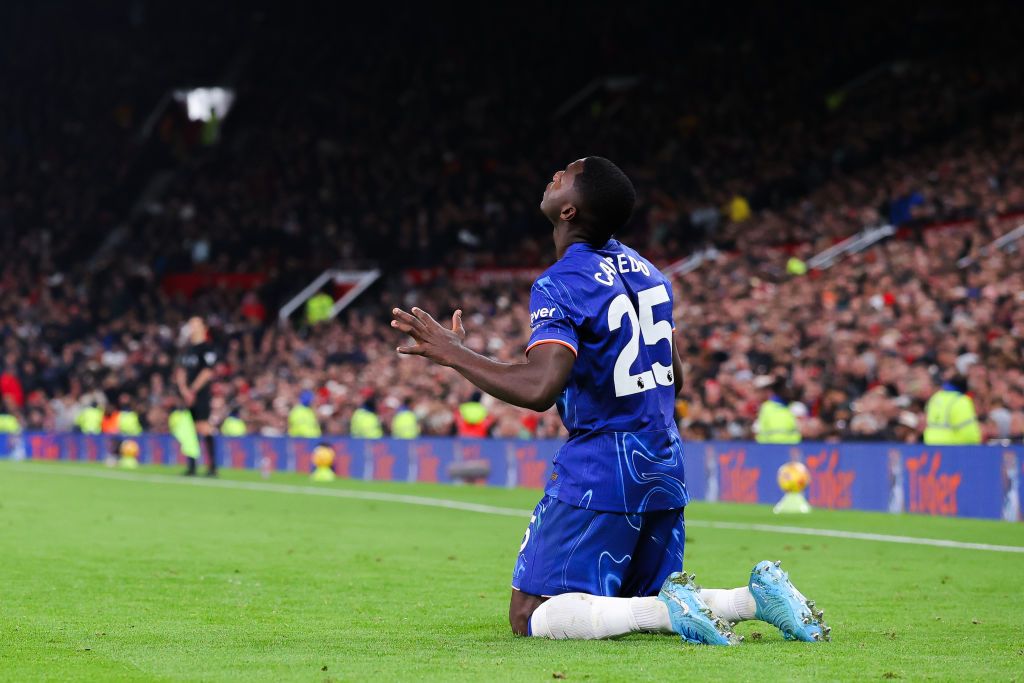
[145, 576]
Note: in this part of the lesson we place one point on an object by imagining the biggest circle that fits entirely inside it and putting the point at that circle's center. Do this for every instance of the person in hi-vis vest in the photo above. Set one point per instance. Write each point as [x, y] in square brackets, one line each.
[128, 421]
[951, 420]
[233, 425]
[8, 422]
[90, 419]
[472, 419]
[302, 420]
[183, 428]
[10, 433]
[365, 423]
[405, 424]
[775, 421]
[318, 308]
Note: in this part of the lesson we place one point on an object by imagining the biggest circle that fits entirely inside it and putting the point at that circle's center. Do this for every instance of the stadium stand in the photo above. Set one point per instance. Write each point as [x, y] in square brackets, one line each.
[374, 168]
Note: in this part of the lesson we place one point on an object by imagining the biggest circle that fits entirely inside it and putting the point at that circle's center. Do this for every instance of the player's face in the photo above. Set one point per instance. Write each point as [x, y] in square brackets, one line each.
[559, 193]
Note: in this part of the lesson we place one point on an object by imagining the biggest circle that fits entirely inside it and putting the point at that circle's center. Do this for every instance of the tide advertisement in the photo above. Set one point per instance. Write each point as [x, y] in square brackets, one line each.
[966, 481]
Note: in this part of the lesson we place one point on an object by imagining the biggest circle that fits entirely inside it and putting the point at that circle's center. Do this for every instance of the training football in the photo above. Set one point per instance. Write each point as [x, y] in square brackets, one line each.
[644, 341]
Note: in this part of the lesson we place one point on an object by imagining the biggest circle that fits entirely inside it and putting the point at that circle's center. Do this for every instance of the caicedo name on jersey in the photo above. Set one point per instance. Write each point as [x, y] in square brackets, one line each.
[622, 264]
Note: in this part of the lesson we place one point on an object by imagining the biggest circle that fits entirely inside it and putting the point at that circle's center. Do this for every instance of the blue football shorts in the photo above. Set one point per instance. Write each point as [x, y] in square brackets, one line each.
[568, 549]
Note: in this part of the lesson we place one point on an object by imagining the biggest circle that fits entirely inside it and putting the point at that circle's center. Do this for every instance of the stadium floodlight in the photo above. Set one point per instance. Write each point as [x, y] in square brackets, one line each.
[204, 103]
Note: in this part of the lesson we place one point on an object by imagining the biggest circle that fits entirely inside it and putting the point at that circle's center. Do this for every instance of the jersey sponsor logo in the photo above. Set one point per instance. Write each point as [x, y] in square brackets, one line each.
[542, 313]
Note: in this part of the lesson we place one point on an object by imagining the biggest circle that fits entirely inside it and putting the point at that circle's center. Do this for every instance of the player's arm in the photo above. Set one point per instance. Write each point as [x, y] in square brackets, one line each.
[205, 375]
[202, 379]
[533, 384]
[181, 380]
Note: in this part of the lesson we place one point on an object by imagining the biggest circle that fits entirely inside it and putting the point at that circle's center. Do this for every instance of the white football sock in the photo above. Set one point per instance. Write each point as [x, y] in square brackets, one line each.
[733, 605]
[578, 616]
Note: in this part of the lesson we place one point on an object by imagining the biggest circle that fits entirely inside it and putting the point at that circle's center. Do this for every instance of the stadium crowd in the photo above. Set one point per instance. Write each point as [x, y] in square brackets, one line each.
[862, 345]
[446, 170]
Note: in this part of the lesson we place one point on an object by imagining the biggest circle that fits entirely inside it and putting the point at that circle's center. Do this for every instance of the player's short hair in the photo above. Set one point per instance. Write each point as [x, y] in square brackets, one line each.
[607, 196]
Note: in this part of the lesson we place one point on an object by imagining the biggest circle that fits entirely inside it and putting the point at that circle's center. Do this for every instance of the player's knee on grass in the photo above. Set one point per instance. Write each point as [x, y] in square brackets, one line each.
[520, 608]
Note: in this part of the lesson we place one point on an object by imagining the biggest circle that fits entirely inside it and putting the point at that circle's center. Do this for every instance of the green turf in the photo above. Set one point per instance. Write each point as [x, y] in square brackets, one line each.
[133, 579]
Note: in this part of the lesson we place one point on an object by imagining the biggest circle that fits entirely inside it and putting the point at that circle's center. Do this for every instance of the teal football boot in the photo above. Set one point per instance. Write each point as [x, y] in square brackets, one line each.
[780, 604]
[690, 617]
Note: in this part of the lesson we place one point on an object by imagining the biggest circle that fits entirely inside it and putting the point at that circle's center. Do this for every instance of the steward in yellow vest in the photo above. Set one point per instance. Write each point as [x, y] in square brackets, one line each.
[318, 308]
[302, 420]
[405, 424]
[90, 420]
[183, 428]
[233, 426]
[951, 418]
[776, 423]
[128, 423]
[9, 424]
[472, 419]
[365, 423]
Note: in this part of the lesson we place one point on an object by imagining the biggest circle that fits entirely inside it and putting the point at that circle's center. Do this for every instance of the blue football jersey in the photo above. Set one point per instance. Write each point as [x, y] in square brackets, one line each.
[614, 310]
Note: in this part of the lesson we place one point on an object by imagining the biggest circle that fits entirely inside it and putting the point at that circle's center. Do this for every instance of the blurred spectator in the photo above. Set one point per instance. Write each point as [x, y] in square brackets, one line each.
[365, 423]
[472, 419]
[302, 420]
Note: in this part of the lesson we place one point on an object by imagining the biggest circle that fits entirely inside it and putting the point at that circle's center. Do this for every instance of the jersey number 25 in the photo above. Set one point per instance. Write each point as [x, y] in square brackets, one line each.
[652, 332]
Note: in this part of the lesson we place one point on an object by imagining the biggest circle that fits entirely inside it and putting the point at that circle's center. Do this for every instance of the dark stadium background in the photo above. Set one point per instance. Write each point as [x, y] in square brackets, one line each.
[417, 140]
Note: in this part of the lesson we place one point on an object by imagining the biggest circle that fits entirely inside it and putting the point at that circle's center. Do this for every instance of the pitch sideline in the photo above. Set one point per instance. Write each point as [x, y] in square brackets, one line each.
[492, 509]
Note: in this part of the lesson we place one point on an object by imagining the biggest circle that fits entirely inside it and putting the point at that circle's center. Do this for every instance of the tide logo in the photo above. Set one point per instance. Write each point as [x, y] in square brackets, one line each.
[268, 454]
[342, 460]
[303, 457]
[236, 454]
[157, 452]
[930, 492]
[532, 471]
[427, 464]
[830, 487]
[383, 462]
[43, 448]
[739, 483]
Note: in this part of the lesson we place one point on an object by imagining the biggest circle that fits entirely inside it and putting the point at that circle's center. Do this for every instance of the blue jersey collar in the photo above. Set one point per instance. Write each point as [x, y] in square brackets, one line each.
[587, 246]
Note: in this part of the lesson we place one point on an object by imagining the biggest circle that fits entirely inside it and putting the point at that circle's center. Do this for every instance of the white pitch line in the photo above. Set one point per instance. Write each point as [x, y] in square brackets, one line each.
[858, 535]
[276, 488]
[492, 509]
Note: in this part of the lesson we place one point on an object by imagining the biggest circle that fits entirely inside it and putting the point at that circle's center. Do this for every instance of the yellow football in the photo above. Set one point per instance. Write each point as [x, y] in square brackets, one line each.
[323, 456]
[793, 477]
[129, 448]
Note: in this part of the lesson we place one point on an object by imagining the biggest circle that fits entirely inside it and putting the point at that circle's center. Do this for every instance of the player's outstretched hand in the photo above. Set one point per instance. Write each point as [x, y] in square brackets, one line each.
[433, 340]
